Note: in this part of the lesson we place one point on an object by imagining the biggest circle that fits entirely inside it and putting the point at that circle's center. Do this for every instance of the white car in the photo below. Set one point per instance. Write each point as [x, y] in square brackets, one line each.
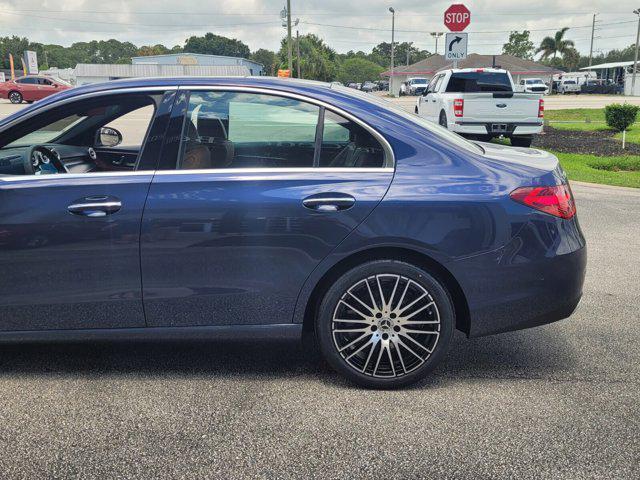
[569, 85]
[534, 85]
[416, 86]
[481, 103]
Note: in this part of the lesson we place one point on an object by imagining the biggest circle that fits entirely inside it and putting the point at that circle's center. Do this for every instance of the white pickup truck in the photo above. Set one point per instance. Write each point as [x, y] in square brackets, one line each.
[482, 103]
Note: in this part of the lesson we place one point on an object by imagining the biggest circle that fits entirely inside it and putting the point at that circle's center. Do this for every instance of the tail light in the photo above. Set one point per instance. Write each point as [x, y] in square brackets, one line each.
[541, 108]
[458, 107]
[556, 200]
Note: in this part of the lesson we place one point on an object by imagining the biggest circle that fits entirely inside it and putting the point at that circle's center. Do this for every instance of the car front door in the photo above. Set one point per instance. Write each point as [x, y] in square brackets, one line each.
[260, 190]
[69, 242]
[45, 88]
[428, 100]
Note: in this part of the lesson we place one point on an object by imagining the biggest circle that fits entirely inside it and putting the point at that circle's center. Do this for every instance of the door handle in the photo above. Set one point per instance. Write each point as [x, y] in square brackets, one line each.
[329, 202]
[97, 206]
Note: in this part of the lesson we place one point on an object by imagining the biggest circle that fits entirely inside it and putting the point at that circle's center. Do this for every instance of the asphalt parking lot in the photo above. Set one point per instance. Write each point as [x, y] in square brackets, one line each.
[560, 401]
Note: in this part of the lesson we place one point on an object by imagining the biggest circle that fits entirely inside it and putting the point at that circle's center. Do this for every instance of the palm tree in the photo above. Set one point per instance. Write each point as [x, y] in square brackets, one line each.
[551, 46]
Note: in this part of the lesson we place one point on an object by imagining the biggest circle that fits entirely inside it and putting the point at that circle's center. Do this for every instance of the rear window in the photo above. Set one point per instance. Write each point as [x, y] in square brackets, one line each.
[470, 82]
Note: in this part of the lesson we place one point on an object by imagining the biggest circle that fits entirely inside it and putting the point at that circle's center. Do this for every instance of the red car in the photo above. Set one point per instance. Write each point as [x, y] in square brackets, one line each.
[31, 88]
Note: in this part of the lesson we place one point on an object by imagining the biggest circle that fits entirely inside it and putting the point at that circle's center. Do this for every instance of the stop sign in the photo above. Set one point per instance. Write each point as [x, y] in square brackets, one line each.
[457, 17]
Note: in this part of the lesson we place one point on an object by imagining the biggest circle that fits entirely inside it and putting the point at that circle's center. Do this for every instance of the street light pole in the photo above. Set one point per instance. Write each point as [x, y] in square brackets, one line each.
[289, 52]
[393, 29]
[635, 62]
[436, 35]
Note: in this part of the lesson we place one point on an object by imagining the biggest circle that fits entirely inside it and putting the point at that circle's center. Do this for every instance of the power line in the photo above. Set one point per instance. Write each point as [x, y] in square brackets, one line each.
[325, 13]
[137, 24]
[375, 29]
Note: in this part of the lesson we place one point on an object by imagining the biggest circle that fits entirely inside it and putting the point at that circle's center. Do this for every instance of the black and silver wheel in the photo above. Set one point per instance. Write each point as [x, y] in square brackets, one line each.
[385, 324]
[443, 120]
[15, 97]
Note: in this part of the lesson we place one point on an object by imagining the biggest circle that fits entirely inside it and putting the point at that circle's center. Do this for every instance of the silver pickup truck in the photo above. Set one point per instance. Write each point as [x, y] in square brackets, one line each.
[482, 103]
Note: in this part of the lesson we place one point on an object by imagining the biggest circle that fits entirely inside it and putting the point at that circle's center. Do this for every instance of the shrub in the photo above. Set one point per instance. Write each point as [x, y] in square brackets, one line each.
[621, 116]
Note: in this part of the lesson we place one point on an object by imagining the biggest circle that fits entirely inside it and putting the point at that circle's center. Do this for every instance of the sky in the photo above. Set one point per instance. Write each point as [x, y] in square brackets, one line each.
[345, 25]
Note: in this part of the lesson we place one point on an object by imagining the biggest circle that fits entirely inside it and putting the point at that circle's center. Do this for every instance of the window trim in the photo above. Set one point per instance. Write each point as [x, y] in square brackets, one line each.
[389, 158]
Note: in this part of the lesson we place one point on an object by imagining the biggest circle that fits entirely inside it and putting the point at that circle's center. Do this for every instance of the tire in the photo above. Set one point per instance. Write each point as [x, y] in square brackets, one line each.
[380, 350]
[416, 110]
[521, 141]
[15, 97]
[442, 120]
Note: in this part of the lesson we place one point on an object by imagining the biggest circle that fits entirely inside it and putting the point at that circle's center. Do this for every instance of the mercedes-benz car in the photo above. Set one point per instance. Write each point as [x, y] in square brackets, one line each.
[275, 208]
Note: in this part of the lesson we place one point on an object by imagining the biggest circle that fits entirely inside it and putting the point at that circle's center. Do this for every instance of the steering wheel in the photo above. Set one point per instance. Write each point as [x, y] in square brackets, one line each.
[42, 161]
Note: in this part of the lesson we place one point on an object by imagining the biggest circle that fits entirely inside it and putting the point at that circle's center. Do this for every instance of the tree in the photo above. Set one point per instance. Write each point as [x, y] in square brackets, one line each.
[551, 46]
[519, 45]
[212, 44]
[381, 54]
[317, 60]
[148, 50]
[266, 58]
[358, 70]
[571, 59]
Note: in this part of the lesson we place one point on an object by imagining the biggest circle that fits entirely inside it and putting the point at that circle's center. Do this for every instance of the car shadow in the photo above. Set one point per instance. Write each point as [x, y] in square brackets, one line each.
[537, 353]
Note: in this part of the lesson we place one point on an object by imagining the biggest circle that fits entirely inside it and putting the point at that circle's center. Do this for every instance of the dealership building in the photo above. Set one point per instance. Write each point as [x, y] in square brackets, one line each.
[520, 68]
[172, 65]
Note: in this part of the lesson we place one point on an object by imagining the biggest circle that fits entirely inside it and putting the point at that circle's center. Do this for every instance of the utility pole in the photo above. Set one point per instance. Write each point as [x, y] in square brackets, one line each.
[635, 62]
[593, 32]
[393, 29]
[408, 48]
[289, 53]
[298, 51]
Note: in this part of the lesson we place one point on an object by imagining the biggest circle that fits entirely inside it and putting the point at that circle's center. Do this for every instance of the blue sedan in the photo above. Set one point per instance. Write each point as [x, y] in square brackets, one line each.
[257, 207]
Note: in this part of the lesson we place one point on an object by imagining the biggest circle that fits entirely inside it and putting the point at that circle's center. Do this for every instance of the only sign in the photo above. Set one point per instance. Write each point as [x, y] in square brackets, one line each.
[457, 17]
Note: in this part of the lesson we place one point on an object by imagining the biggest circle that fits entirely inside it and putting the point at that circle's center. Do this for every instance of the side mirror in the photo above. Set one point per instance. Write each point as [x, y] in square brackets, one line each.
[426, 92]
[108, 137]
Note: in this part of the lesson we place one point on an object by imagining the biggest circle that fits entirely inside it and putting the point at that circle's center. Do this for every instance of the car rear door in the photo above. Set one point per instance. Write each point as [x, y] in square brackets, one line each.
[28, 87]
[261, 188]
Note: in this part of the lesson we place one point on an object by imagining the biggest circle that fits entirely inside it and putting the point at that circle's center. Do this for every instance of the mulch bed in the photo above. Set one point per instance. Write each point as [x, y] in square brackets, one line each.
[595, 142]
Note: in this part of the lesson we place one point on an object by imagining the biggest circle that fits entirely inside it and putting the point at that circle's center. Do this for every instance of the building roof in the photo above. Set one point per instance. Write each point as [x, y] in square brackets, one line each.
[605, 66]
[156, 70]
[435, 63]
[144, 58]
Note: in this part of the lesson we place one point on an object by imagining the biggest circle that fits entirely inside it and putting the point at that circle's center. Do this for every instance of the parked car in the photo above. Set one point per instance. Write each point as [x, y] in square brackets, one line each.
[569, 85]
[383, 85]
[369, 87]
[31, 88]
[482, 104]
[354, 85]
[534, 85]
[259, 207]
[415, 86]
[599, 86]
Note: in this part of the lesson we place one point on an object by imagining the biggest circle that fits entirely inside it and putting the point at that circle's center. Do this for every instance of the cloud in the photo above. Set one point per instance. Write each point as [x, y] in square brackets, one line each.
[355, 25]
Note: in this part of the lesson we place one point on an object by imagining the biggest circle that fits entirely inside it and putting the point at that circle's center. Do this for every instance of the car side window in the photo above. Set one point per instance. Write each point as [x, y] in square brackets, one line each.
[247, 130]
[133, 126]
[436, 87]
[346, 144]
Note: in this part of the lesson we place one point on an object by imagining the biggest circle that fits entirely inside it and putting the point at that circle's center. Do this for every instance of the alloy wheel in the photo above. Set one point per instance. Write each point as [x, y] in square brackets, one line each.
[386, 325]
